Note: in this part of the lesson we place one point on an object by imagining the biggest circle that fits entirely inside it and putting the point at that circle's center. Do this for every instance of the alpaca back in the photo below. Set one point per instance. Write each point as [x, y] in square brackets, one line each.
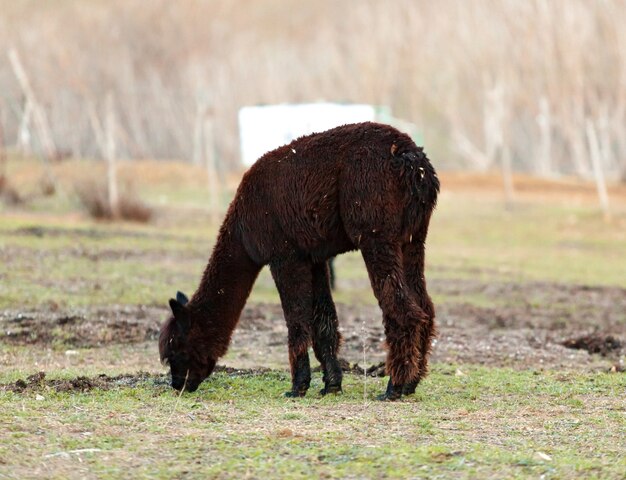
[319, 194]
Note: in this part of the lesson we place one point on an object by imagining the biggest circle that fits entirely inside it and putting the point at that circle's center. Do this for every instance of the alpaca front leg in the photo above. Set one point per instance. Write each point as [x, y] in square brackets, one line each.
[300, 373]
[293, 279]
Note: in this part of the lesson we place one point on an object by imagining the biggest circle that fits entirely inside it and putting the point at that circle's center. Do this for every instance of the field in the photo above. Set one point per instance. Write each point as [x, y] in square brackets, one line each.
[527, 373]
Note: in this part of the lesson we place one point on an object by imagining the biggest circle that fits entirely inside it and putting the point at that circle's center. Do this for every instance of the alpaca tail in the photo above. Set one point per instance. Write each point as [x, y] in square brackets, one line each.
[422, 188]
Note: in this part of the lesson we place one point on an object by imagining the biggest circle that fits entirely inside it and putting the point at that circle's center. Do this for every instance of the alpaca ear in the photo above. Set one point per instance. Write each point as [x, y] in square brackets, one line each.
[178, 308]
[182, 298]
[180, 315]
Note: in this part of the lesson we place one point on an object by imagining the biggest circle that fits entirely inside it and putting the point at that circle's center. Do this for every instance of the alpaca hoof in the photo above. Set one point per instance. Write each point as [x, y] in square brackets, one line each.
[409, 388]
[394, 392]
[389, 397]
[295, 393]
[331, 389]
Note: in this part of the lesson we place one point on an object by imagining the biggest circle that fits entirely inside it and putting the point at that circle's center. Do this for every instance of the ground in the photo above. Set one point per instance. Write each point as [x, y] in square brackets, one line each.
[527, 372]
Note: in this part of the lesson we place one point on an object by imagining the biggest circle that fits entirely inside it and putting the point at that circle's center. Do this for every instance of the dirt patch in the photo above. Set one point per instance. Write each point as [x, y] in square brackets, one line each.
[92, 233]
[86, 327]
[547, 305]
[594, 343]
[376, 370]
[524, 326]
[38, 381]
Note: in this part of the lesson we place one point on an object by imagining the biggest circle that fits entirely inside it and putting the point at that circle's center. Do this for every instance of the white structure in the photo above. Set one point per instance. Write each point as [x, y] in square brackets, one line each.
[265, 128]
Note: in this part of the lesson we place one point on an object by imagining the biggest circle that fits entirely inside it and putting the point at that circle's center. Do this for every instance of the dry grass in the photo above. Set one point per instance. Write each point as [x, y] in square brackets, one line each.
[47, 185]
[147, 173]
[540, 71]
[176, 175]
[8, 193]
[531, 188]
[94, 198]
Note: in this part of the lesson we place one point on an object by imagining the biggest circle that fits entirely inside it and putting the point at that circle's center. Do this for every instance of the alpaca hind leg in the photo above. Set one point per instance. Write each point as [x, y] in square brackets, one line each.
[404, 320]
[326, 337]
[294, 282]
[413, 260]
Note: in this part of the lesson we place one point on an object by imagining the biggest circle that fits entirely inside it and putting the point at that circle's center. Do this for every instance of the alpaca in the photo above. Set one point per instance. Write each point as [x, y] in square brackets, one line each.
[362, 186]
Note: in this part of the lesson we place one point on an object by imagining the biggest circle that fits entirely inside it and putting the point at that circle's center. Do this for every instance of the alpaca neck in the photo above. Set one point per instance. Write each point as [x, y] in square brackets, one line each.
[224, 289]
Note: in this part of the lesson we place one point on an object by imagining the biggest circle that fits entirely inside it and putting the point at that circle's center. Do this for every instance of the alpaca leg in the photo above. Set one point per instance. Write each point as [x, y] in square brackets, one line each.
[413, 260]
[294, 282]
[331, 269]
[404, 320]
[326, 337]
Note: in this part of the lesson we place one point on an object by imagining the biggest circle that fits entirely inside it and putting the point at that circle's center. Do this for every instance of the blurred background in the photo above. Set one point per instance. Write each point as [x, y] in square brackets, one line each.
[539, 83]
[121, 147]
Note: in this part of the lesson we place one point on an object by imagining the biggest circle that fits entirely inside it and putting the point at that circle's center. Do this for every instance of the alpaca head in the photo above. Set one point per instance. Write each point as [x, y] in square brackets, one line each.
[180, 347]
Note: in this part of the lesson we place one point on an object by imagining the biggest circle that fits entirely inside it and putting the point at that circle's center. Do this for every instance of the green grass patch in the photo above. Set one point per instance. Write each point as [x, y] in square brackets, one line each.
[489, 423]
[85, 262]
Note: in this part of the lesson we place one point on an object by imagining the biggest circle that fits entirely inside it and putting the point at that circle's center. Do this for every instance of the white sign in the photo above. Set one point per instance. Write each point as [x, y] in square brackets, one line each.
[265, 128]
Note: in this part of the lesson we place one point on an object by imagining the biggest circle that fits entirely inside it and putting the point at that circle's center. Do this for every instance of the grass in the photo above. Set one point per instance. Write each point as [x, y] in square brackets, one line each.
[131, 264]
[487, 423]
[533, 241]
[472, 235]
[466, 421]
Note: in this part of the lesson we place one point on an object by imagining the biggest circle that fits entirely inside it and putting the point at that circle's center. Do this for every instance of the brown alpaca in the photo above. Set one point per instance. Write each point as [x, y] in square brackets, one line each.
[365, 186]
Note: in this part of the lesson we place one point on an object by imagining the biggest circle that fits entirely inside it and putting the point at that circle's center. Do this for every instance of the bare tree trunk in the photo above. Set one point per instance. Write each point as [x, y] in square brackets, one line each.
[507, 175]
[544, 119]
[620, 135]
[39, 116]
[201, 110]
[493, 118]
[576, 132]
[110, 157]
[596, 162]
[213, 182]
[3, 152]
[96, 126]
[604, 139]
[133, 109]
[23, 134]
[174, 117]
